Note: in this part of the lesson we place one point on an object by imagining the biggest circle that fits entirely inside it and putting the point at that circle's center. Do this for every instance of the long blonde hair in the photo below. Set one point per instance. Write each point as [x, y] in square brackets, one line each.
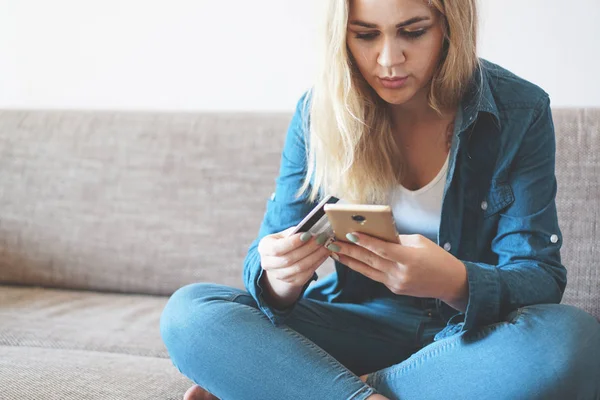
[350, 148]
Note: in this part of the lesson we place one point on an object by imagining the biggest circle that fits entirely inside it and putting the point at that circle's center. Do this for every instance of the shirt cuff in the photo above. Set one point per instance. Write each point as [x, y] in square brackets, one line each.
[483, 307]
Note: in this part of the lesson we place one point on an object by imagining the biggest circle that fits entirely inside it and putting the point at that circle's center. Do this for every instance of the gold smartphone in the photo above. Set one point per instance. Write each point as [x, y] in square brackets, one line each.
[374, 220]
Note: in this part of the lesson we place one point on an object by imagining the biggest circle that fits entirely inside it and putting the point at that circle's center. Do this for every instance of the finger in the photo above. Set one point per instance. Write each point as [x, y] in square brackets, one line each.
[294, 256]
[314, 265]
[363, 268]
[384, 249]
[363, 255]
[321, 262]
[413, 240]
[280, 246]
[287, 231]
[310, 262]
[307, 274]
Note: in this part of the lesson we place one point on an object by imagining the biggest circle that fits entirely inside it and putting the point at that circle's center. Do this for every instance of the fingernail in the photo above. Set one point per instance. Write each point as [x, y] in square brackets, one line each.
[305, 237]
[352, 238]
[333, 247]
[335, 257]
[321, 238]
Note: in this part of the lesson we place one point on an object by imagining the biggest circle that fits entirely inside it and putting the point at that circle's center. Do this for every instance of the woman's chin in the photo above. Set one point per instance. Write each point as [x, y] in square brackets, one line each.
[397, 99]
[400, 96]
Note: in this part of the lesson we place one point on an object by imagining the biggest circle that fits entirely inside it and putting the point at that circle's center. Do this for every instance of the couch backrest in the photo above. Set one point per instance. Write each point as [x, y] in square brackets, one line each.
[148, 202]
[578, 203]
[132, 202]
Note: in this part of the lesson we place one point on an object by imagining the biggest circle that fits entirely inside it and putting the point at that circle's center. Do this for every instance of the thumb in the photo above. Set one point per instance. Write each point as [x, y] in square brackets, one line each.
[411, 240]
[285, 233]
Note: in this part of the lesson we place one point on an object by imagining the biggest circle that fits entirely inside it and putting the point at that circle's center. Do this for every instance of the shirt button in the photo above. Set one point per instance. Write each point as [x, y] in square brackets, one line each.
[447, 246]
[484, 205]
[554, 238]
[272, 196]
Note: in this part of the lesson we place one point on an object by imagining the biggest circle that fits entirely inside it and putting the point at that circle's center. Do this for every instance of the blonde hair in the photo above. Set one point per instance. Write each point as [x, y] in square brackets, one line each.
[350, 148]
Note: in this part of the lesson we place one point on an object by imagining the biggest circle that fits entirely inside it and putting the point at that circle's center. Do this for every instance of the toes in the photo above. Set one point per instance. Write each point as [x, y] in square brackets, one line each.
[197, 393]
[191, 393]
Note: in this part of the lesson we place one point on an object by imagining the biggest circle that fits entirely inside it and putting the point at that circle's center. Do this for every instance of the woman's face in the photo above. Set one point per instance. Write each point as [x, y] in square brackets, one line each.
[396, 39]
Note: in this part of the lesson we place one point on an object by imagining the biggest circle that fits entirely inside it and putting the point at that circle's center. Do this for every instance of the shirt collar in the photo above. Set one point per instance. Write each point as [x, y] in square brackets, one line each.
[478, 98]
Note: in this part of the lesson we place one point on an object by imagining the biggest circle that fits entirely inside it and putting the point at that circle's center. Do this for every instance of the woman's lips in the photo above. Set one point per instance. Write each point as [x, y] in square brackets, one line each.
[393, 83]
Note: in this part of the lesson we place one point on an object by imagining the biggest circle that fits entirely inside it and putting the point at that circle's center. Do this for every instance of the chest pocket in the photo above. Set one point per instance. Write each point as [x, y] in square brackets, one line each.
[500, 196]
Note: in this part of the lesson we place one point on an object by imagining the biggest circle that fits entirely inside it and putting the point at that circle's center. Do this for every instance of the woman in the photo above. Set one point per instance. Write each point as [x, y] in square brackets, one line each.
[402, 113]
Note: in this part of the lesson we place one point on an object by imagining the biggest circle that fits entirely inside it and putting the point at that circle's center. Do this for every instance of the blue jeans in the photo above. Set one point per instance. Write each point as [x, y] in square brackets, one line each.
[218, 338]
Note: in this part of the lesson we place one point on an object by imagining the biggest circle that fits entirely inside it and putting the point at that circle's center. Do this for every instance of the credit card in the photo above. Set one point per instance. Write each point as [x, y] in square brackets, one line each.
[316, 221]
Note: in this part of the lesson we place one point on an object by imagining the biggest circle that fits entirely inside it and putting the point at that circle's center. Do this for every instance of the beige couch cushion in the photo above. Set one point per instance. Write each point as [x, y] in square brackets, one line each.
[50, 374]
[84, 345]
[65, 319]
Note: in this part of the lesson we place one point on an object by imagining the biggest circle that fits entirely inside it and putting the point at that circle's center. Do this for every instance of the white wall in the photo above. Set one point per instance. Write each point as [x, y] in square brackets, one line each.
[246, 55]
[553, 43]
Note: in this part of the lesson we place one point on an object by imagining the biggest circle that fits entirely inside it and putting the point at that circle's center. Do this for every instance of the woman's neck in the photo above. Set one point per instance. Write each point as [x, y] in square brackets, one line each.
[413, 115]
[421, 128]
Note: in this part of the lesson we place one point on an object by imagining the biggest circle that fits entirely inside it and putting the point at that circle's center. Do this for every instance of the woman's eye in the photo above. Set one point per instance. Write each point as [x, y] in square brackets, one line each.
[366, 36]
[414, 34]
[407, 34]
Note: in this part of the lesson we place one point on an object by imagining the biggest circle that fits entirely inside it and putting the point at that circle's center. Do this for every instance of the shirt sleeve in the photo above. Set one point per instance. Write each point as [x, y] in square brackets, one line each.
[528, 240]
[283, 209]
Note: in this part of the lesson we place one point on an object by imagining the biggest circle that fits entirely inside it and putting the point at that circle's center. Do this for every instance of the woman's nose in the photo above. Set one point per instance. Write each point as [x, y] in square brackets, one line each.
[390, 54]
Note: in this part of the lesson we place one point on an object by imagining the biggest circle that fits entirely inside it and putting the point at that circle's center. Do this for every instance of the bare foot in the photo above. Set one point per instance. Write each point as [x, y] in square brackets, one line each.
[197, 393]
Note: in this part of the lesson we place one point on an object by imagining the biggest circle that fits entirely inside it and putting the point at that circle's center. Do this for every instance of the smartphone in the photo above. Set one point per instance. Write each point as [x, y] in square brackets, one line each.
[374, 220]
[316, 221]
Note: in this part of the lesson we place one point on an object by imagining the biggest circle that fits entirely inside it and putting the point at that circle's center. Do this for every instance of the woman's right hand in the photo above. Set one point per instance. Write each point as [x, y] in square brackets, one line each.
[289, 260]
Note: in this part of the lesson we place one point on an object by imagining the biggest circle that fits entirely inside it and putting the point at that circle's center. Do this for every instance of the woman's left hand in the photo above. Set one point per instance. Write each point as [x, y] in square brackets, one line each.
[414, 267]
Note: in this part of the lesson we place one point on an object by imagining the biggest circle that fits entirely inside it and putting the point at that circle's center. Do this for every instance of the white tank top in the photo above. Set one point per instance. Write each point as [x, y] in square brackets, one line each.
[419, 211]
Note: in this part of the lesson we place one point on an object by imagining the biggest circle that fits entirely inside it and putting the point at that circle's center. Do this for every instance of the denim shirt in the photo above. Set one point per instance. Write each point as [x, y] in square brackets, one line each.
[498, 210]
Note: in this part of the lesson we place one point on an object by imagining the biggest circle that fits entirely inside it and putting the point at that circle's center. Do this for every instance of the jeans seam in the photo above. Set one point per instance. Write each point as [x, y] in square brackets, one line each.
[364, 393]
[327, 356]
[396, 370]
[443, 346]
[366, 389]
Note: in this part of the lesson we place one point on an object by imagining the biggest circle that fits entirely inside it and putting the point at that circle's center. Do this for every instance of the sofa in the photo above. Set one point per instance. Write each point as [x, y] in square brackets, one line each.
[104, 214]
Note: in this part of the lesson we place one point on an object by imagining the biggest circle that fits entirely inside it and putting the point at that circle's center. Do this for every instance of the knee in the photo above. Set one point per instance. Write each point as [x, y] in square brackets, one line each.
[185, 309]
[568, 340]
[565, 320]
[198, 292]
